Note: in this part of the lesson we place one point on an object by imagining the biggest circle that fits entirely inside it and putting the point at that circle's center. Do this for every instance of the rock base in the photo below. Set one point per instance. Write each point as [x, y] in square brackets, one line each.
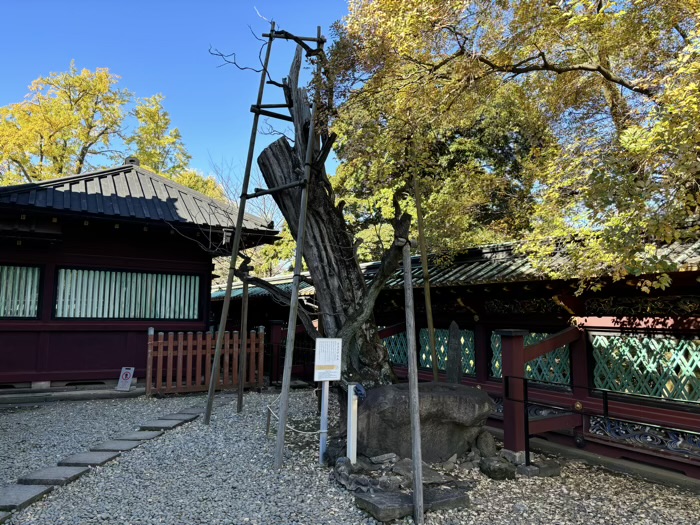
[387, 506]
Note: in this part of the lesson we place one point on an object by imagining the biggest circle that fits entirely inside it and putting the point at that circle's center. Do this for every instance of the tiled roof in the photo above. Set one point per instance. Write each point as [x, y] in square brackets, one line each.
[487, 264]
[283, 282]
[129, 192]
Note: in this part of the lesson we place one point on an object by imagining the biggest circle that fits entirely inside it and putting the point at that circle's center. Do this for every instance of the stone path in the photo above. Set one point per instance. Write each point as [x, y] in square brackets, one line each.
[35, 485]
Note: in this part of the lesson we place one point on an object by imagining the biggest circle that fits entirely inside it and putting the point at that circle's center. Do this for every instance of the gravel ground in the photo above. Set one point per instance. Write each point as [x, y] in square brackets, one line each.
[223, 474]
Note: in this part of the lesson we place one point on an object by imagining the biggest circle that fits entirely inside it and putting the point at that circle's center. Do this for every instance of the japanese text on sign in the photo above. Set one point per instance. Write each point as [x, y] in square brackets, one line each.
[328, 359]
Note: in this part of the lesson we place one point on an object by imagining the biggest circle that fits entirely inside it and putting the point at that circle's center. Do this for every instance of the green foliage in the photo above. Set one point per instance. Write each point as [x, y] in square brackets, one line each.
[65, 120]
[73, 121]
[569, 125]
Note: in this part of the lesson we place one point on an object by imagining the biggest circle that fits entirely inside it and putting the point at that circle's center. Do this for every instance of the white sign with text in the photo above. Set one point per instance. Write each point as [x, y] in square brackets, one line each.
[328, 359]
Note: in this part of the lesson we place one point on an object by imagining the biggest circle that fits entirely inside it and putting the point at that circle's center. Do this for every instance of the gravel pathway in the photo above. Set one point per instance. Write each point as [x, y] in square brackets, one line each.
[223, 474]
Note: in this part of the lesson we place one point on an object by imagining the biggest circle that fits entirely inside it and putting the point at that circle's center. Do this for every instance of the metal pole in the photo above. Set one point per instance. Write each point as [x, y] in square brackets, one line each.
[244, 343]
[426, 277]
[324, 420]
[294, 303]
[413, 389]
[527, 423]
[351, 425]
[236, 238]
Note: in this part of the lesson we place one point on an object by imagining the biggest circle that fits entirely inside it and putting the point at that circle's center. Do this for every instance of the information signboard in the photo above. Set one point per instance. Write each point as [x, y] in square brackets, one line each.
[328, 359]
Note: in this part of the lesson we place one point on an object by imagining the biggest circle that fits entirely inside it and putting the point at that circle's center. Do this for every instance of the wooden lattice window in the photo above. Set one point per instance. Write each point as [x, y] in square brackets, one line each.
[19, 292]
[100, 294]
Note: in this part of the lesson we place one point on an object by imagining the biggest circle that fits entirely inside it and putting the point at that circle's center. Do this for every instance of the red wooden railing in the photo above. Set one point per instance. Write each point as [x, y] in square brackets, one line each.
[183, 363]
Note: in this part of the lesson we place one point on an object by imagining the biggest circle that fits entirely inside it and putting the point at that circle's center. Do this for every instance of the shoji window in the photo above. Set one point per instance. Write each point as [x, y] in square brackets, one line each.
[19, 291]
[99, 294]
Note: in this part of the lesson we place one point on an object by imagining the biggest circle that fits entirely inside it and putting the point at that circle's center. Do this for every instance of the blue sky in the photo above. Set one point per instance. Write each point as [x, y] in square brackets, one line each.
[160, 46]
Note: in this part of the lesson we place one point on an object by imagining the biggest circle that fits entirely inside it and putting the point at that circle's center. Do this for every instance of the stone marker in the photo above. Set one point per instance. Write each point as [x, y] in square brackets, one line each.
[387, 506]
[161, 424]
[181, 417]
[88, 459]
[454, 355]
[16, 497]
[140, 435]
[115, 445]
[53, 476]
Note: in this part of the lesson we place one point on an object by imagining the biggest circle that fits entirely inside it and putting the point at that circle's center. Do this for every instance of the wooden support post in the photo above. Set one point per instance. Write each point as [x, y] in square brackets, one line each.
[214, 380]
[298, 261]
[414, 406]
[149, 363]
[580, 376]
[426, 279]
[261, 356]
[513, 359]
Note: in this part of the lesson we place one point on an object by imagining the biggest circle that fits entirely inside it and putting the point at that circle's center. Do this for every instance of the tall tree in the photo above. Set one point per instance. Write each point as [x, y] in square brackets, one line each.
[66, 120]
[613, 83]
[158, 146]
[74, 121]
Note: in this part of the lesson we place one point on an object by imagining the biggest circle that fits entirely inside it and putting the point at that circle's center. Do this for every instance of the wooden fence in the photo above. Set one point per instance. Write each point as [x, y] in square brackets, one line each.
[182, 362]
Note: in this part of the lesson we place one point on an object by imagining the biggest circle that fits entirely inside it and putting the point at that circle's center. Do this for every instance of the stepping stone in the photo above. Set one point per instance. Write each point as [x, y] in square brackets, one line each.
[193, 410]
[16, 497]
[387, 506]
[181, 417]
[139, 435]
[53, 476]
[115, 445]
[88, 459]
[161, 424]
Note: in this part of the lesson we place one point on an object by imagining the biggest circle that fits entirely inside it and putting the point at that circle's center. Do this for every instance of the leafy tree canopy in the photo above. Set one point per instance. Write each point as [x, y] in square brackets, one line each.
[74, 121]
[569, 124]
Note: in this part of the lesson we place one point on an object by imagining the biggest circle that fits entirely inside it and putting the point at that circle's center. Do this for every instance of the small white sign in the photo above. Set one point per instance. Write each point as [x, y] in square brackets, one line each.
[328, 359]
[125, 379]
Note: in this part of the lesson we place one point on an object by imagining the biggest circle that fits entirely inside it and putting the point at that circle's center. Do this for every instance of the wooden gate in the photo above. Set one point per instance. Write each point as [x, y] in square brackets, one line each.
[182, 362]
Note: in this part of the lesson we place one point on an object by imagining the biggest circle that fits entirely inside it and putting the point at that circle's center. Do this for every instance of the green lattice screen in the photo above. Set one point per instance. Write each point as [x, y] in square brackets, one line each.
[666, 367]
[442, 338]
[397, 345]
[553, 367]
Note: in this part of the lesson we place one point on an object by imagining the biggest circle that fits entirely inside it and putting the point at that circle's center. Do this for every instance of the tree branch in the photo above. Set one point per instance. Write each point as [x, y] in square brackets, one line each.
[286, 298]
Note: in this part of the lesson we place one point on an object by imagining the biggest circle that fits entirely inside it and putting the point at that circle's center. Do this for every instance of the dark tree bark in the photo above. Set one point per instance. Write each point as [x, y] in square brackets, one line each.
[345, 300]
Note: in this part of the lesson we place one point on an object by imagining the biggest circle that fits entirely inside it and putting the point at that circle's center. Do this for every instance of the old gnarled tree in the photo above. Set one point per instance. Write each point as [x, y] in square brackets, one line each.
[346, 301]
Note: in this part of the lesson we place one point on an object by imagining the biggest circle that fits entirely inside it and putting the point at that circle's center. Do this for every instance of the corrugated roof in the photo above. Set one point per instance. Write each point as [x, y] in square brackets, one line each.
[130, 192]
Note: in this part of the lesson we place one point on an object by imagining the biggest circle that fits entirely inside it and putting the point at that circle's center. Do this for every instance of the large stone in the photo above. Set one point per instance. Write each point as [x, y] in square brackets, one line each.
[88, 459]
[16, 497]
[53, 476]
[387, 506]
[548, 468]
[452, 416]
[497, 468]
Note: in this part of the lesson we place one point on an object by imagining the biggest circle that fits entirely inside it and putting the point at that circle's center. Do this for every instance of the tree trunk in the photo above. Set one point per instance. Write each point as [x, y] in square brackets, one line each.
[345, 300]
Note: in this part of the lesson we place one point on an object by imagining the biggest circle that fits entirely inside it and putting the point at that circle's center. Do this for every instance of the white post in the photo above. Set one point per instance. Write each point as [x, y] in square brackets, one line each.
[324, 420]
[352, 424]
